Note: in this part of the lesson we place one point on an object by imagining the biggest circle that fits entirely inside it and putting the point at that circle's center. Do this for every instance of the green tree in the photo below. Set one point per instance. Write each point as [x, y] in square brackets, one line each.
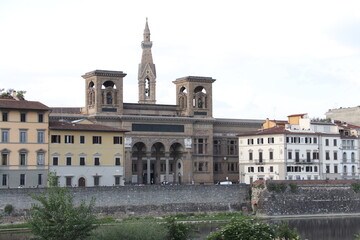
[176, 230]
[243, 229]
[9, 93]
[284, 232]
[57, 218]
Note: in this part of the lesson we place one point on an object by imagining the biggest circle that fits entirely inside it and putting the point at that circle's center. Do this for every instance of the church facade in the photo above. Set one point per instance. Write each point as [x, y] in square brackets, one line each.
[177, 144]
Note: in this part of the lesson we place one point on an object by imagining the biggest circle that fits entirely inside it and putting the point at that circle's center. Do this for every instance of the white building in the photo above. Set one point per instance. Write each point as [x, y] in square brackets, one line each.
[302, 150]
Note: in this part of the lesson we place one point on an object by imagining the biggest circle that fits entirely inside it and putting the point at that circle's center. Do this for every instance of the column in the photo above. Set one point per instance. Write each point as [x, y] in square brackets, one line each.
[148, 171]
[167, 169]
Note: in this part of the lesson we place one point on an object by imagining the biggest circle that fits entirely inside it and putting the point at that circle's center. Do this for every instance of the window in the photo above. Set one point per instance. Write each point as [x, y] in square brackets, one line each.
[271, 140]
[250, 156]
[82, 139]
[55, 161]
[4, 158]
[23, 136]
[315, 155]
[117, 140]
[40, 136]
[250, 169]
[117, 161]
[260, 156]
[96, 139]
[271, 155]
[40, 179]
[68, 161]
[134, 167]
[335, 142]
[22, 179]
[260, 169]
[326, 142]
[217, 147]
[96, 161]
[5, 116]
[335, 155]
[201, 166]
[327, 169]
[55, 139]
[232, 147]
[232, 167]
[297, 156]
[260, 141]
[96, 180]
[22, 158]
[22, 117]
[250, 141]
[40, 158]
[308, 169]
[315, 168]
[308, 156]
[200, 145]
[289, 155]
[327, 155]
[4, 136]
[82, 161]
[68, 181]
[335, 169]
[315, 140]
[271, 169]
[40, 119]
[4, 179]
[217, 167]
[69, 139]
[117, 180]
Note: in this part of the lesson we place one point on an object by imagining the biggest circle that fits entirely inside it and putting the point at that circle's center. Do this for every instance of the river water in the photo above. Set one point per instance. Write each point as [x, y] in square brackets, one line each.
[329, 228]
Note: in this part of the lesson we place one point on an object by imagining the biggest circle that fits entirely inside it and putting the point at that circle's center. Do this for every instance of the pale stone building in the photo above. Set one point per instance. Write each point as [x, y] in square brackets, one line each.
[180, 143]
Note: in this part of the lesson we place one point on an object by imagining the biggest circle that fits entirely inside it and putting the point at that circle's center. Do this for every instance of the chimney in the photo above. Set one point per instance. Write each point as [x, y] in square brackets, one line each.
[14, 95]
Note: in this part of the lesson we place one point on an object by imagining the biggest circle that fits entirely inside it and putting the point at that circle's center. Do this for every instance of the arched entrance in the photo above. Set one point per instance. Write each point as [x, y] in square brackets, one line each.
[157, 163]
[138, 158]
[81, 182]
[175, 162]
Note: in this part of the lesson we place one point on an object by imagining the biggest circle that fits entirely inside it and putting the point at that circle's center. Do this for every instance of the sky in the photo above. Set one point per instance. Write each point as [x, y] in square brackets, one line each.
[270, 59]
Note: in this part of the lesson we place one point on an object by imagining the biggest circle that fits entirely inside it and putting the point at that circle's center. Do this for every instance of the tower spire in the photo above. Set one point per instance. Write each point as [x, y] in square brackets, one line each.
[147, 72]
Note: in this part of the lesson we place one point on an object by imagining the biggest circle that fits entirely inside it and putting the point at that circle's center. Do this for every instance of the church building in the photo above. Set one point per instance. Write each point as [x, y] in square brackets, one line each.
[176, 144]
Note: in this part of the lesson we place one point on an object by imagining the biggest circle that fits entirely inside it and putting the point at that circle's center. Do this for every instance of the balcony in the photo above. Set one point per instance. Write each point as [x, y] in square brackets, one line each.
[259, 162]
[305, 161]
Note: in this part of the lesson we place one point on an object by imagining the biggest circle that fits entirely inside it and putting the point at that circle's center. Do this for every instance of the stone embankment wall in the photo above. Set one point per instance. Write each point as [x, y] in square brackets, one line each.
[306, 198]
[144, 200]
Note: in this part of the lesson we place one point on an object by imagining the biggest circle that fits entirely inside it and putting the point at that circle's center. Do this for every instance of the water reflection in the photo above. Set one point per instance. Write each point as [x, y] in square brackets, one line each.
[338, 228]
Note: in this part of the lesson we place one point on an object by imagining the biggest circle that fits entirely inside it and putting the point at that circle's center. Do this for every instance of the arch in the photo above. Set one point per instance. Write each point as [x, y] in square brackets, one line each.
[139, 149]
[352, 169]
[82, 182]
[108, 84]
[352, 156]
[147, 86]
[199, 89]
[176, 150]
[183, 90]
[345, 169]
[344, 156]
[158, 150]
[91, 85]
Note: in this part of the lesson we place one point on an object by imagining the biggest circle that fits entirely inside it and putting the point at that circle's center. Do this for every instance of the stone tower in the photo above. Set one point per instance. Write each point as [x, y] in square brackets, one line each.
[194, 96]
[147, 72]
[104, 92]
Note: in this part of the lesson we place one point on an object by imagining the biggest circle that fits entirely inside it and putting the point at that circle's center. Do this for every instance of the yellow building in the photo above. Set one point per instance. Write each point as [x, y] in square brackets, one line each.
[24, 143]
[86, 154]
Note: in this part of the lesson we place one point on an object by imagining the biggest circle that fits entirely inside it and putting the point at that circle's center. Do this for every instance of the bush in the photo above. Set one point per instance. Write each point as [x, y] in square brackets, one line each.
[284, 232]
[8, 209]
[276, 187]
[131, 231]
[177, 231]
[293, 187]
[243, 229]
[356, 187]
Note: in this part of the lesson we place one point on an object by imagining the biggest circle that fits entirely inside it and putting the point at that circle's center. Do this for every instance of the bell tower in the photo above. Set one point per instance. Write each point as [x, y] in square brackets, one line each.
[194, 96]
[147, 72]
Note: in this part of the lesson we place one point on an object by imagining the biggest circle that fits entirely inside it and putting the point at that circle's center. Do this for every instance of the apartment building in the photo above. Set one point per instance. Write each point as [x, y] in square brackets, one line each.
[85, 154]
[24, 143]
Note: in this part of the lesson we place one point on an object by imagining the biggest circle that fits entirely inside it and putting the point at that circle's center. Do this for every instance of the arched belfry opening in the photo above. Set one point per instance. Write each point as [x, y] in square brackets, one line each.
[200, 98]
[182, 97]
[109, 93]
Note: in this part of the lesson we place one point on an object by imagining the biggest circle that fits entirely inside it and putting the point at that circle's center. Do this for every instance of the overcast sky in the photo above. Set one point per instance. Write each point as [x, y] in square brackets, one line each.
[270, 59]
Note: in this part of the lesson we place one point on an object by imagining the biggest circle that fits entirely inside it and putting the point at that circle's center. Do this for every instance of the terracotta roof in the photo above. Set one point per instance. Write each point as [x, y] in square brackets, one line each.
[295, 115]
[66, 110]
[22, 104]
[62, 125]
[279, 121]
[281, 130]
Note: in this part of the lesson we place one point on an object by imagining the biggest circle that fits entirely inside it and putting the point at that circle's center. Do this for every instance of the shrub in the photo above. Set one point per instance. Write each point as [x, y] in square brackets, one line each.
[356, 187]
[8, 209]
[276, 187]
[177, 231]
[284, 232]
[241, 229]
[293, 187]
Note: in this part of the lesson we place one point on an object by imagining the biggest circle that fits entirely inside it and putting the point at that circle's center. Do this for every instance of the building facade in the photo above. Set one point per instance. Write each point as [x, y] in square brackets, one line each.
[303, 150]
[24, 143]
[85, 154]
[180, 143]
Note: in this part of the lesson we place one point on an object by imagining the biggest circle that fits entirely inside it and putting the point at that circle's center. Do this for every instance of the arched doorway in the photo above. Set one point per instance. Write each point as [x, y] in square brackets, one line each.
[138, 160]
[81, 182]
[157, 163]
[175, 162]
